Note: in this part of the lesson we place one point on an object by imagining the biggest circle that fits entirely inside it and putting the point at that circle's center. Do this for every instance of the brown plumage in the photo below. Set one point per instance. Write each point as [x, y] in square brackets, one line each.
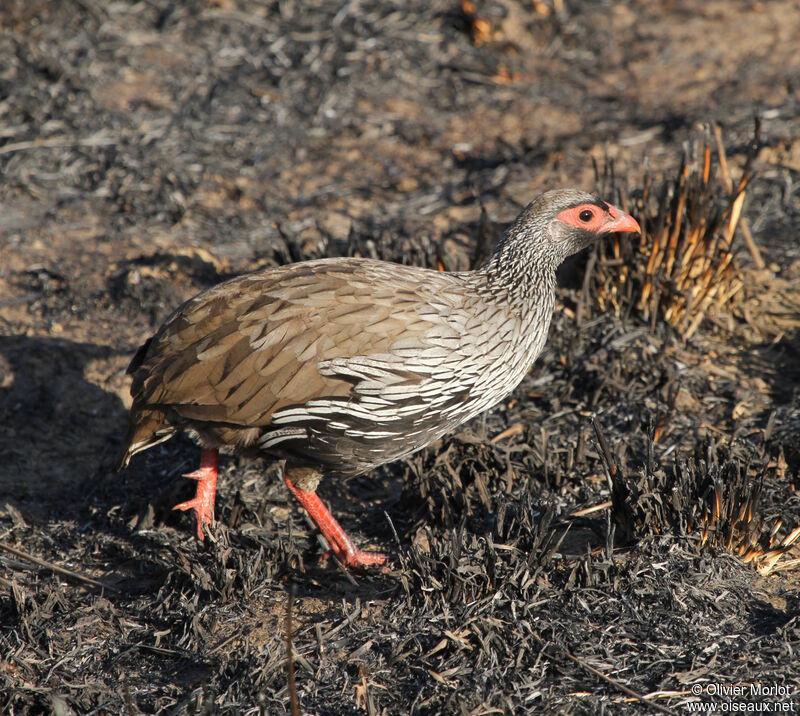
[340, 365]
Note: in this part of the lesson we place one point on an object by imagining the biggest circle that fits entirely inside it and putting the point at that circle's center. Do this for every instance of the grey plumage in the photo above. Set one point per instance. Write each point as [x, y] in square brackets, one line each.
[340, 365]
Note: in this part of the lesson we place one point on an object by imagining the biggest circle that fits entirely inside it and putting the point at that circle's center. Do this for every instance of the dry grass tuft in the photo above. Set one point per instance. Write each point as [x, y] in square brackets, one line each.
[730, 521]
[712, 497]
[683, 263]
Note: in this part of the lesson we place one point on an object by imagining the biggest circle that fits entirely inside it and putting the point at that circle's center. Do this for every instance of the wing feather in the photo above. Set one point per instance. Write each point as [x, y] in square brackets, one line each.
[259, 343]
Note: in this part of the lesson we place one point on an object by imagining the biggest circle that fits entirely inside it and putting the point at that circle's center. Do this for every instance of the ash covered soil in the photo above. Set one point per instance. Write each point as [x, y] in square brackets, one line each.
[149, 150]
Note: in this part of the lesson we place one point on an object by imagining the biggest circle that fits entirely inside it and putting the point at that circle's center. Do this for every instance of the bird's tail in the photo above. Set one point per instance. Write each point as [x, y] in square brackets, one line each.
[148, 427]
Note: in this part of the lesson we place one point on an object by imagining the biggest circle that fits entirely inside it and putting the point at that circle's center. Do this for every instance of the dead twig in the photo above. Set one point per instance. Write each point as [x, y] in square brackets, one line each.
[509, 432]
[609, 461]
[71, 573]
[591, 510]
[96, 140]
[752, 247]
[289, 654]
[619, 685]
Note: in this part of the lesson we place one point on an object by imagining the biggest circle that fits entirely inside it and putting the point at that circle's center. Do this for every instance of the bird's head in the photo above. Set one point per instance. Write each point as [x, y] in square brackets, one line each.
[561, 222]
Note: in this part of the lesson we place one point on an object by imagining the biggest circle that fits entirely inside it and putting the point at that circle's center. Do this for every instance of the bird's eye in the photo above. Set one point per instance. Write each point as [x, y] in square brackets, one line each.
[585, 216]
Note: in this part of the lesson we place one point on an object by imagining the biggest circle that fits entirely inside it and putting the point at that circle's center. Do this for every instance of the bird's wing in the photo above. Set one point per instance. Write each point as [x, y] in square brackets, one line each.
[263, 342]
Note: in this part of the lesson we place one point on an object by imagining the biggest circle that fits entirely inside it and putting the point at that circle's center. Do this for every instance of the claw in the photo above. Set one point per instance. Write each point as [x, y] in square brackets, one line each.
[200, 474]
[204, 514]
[203, 501]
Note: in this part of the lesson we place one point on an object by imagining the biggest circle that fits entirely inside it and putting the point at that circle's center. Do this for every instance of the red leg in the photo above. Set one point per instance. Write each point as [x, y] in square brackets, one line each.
[203, 502]
[341, 545]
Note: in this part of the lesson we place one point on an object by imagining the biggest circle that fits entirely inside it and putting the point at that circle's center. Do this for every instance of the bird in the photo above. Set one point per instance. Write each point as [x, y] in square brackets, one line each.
[336, 366]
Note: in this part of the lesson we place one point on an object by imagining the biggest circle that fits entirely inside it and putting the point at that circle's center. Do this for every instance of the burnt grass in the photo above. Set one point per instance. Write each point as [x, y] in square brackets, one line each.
[149, 150]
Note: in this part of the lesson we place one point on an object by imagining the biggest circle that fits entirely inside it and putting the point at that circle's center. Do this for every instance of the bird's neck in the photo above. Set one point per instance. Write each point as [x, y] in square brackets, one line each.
[519, 272]
[518, 280]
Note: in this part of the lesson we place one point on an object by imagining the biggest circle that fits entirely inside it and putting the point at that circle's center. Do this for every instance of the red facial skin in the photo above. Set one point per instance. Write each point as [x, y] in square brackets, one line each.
[601, 221]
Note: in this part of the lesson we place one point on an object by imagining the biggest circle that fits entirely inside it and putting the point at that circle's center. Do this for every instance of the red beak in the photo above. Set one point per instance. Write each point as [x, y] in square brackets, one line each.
[620, 222]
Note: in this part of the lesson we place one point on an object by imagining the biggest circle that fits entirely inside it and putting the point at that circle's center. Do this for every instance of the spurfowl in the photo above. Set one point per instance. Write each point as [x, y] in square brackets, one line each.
[339, 365]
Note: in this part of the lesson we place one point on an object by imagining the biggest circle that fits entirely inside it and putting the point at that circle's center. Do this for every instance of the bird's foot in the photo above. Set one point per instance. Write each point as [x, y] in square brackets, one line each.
[341, 546]
[203, 502]
[357, 559]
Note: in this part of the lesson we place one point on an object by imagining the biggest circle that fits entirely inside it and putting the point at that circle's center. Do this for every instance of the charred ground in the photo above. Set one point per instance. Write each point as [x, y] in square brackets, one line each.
[149, 150]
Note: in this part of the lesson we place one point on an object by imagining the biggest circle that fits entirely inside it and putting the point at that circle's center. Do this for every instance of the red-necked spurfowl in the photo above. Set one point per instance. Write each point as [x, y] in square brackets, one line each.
[340, 365]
